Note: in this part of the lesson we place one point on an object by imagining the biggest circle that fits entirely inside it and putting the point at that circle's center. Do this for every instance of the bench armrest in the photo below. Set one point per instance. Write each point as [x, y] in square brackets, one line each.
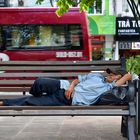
[131, 91]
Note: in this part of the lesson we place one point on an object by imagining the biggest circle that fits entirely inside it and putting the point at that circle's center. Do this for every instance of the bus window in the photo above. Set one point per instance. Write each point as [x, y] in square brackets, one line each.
[76, 37]
[49, 37]
[58, 37]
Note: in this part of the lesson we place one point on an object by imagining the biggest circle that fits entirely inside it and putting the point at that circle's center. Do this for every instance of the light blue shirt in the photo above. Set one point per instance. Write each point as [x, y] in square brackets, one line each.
[64, 84]
[89, 88]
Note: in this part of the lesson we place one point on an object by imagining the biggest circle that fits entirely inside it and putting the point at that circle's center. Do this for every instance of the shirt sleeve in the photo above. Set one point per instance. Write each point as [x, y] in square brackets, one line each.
[113, 84]
[82, 77]
[64, 84]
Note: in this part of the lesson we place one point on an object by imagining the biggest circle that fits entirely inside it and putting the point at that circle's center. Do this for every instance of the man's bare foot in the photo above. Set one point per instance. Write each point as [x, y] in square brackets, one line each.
[1, 103]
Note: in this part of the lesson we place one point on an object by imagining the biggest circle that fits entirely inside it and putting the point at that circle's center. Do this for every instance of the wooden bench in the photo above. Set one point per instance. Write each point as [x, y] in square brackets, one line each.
[18, 76]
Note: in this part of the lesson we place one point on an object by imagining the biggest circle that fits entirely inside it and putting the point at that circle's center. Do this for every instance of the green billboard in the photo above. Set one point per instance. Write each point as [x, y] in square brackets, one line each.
[102, 25]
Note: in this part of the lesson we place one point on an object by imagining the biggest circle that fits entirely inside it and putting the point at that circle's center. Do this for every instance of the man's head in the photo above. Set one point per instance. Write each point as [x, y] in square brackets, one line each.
[114, 74]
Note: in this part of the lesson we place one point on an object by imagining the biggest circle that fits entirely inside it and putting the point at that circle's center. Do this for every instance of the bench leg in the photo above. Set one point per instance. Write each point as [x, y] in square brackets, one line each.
[124, 125]
[137, 104]
[138, 108]
[131, 129]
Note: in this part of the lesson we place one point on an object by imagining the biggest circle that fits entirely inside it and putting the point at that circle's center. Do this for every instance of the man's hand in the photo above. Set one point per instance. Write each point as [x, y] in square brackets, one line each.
[125, 78]
[70, 90]
[68, 93]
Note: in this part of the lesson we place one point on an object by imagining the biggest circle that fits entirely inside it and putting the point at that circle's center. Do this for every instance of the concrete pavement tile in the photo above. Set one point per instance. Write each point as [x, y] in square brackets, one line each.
[49, 120]
[91, 128]
[34, 136]
[31, 136]
[3, 138]
[8, 131]
[43, 128]
[15, 120]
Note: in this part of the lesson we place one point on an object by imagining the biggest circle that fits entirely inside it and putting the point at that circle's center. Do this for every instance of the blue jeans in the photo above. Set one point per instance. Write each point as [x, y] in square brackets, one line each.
[45, 91]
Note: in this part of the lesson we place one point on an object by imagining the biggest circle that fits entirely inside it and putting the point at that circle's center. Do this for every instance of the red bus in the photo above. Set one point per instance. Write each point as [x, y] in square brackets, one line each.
[38, 34]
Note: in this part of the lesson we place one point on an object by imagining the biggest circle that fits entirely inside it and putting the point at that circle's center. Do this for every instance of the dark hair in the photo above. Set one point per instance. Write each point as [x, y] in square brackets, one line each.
[121, 72]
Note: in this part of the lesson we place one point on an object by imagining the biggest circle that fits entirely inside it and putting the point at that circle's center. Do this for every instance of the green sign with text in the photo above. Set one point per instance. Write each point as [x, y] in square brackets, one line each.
[102, 25]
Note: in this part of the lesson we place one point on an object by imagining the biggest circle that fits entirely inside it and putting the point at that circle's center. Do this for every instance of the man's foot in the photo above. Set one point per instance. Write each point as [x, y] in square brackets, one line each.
[1, 103]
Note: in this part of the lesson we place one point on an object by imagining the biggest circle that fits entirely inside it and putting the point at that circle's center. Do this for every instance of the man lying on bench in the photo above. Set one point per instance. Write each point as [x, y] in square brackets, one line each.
[85, 90]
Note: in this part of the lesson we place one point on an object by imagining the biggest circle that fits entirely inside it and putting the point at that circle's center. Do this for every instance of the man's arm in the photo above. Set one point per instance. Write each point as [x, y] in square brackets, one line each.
[125, 78]
[70, 90]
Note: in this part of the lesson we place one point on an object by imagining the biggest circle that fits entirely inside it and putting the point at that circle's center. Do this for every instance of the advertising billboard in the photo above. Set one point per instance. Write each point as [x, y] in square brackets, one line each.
[102, 25]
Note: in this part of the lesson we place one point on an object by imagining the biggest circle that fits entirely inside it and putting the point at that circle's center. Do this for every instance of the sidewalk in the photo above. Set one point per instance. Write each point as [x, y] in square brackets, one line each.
[60, 128]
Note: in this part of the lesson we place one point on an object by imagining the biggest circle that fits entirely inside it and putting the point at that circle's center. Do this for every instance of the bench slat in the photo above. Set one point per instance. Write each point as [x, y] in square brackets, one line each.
[67, 113]
[14, 89]
[45, 74]
[58, 63]
[123, 107]
[16, 82]
[56, 68]
[64, 110]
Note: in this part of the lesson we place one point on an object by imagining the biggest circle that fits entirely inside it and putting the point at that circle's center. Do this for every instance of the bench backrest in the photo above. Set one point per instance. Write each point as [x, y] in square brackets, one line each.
[19, 75]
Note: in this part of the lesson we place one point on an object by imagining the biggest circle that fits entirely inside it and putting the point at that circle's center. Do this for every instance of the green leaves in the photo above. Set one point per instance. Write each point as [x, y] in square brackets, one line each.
[64, 5]
[85, 4]
[39, 1]
[133, 64]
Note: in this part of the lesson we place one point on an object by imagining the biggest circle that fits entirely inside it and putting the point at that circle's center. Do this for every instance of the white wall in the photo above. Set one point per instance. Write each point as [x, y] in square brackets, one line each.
[111, 7]
[121, 9]
[109, 39]
[118, 7]
[13, 3]
[32, 3]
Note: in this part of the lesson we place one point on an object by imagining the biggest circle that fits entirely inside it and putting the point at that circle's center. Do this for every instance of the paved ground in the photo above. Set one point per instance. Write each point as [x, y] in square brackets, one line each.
[60, 128]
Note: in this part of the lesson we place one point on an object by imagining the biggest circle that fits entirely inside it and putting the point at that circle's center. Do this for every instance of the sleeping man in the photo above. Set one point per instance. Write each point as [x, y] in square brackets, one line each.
[85, 90]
